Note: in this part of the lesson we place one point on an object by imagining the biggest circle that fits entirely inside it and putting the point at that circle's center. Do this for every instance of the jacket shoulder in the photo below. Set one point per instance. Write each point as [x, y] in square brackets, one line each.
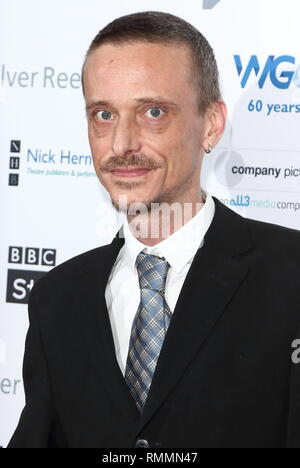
[66, 272]
[263, 238]
[275, 238]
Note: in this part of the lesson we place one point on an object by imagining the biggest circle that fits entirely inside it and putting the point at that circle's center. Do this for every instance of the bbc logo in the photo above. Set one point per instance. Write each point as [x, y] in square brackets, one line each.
[32, 256]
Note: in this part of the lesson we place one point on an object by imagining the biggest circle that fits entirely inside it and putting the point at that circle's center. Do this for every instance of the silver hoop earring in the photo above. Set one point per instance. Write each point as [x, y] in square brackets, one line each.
[208, 150]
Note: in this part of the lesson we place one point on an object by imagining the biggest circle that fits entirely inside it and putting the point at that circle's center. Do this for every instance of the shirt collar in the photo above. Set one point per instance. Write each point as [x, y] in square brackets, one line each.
[180, 247]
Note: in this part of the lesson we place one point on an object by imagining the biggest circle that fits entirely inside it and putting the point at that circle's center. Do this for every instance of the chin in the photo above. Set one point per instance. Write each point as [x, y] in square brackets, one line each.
[122, 202]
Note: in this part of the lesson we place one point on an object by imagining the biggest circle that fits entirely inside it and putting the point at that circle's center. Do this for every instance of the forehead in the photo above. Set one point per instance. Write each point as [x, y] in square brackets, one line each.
[137, 68]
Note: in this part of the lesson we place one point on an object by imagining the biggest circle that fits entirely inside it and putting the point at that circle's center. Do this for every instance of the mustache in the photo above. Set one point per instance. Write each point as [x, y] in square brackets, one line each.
[136, 160]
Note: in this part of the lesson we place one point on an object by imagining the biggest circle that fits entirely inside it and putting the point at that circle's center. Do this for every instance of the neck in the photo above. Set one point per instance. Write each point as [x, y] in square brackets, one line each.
[163, 220]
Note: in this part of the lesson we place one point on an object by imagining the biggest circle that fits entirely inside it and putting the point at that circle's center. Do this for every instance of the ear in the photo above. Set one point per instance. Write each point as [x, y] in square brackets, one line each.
[215, 119]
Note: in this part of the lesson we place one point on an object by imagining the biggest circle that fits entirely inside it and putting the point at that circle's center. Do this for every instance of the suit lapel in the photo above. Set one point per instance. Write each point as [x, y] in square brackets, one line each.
[211, 282]
[213, 278]
[98, 328]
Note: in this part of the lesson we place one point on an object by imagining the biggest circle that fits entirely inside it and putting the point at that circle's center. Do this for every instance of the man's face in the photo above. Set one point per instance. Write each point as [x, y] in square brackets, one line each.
[142, 114]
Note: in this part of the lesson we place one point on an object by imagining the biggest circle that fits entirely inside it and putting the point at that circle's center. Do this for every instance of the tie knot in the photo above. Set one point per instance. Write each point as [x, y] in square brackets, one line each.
[152, 271]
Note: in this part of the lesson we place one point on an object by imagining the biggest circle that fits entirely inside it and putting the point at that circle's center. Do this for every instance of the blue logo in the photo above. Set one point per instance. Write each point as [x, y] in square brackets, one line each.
[209, 4]
[279, 80]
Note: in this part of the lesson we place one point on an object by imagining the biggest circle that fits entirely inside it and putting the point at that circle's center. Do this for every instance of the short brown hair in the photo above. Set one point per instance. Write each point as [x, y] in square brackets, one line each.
[160, 27]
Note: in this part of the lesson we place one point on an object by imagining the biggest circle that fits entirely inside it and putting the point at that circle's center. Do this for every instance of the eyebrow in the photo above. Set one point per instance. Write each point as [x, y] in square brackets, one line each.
[158, 100]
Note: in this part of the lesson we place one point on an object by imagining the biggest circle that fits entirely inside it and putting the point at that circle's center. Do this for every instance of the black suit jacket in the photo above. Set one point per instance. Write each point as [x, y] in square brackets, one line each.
[224, 377]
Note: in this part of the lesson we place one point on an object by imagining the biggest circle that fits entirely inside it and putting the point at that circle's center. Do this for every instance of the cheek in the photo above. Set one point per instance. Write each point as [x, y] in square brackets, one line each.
[181, 163]
[180, 155]
[99, 146]
[188, 148]
[92, 138]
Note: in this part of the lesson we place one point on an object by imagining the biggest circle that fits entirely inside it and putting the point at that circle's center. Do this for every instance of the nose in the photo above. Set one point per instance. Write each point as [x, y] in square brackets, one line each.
[125, 137]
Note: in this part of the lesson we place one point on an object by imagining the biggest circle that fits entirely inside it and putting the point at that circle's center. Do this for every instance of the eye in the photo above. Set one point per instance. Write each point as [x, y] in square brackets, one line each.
[103, 115]
[154, 112]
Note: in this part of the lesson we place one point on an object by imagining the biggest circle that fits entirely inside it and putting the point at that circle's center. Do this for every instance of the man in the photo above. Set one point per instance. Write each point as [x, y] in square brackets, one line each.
[182, 339]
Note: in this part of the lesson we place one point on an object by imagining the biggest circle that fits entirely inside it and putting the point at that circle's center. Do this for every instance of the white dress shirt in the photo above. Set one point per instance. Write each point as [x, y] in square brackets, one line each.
[122, 292]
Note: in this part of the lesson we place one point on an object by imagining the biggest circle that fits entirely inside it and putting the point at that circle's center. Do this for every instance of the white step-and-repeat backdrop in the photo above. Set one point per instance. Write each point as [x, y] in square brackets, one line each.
[52, 206]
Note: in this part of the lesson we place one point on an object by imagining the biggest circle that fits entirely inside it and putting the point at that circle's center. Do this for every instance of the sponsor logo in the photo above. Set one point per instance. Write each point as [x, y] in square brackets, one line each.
[15, 146]
[48, 77]
[209, 4]
[280, 70]
[20, 282]
[32, 256]
[13, 179]
[62, 157]
[14, 162]
[10, 386]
